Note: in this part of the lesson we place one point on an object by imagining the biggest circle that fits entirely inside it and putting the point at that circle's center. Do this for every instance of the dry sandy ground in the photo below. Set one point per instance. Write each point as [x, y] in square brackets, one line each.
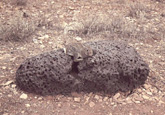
[52, 19]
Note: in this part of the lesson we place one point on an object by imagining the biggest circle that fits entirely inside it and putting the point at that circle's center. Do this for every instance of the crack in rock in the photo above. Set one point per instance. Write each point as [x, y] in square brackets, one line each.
[115, 67]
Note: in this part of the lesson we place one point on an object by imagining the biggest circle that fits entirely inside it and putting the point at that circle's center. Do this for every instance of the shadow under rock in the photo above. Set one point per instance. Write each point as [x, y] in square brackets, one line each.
[115, 67]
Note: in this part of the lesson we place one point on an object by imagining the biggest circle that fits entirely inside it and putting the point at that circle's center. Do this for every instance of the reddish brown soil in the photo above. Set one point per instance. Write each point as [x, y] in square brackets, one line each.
[145, 100]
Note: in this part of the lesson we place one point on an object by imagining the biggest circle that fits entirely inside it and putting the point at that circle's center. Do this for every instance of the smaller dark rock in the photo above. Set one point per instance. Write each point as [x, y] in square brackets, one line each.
[46, 73]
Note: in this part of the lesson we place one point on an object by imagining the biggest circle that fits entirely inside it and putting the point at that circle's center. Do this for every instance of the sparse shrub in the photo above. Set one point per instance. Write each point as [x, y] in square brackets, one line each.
[137, 10]
[107, 26]
[16, 2]
[120, 1]
[43, 22]
[87, 27]
[49, 23]
[17, 29]
[93, 26]
[160, 1]
[20, 2]
[117, 27]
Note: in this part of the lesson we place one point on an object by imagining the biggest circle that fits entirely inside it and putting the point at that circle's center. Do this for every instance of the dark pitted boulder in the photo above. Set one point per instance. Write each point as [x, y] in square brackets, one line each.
[46, 73]
[115, 67]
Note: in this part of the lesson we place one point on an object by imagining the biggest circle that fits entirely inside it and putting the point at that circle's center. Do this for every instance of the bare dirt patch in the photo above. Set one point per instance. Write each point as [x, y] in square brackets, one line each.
[57, 22]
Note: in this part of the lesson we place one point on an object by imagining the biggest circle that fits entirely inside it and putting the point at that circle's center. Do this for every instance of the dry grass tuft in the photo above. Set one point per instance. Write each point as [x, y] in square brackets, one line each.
[20, 2]
[116, 27]
[112, 27]
[137, 10]
[16, 2]
[160, 1]
[17, 29]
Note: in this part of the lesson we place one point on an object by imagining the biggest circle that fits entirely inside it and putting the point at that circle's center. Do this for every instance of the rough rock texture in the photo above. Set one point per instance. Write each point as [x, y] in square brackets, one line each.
[114, 67]
[46, 73]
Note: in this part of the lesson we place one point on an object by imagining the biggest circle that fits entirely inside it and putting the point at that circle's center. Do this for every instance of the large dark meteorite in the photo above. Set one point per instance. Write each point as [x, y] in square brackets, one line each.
[115, 67]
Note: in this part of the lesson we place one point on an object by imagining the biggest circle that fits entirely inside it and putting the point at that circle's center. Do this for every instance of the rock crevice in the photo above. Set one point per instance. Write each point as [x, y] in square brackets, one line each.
[115, 67]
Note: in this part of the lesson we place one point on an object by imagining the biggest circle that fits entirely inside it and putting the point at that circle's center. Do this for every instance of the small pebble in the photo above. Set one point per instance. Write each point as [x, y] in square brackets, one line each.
[145, 97]
[59, 105]
[91, 104]
[8, 83]
[149, 93]
[100, 100]
[77, 99]
[42, 46]
[146, 86]
[78, 38]
[117, 95]
[137, 101]
[35, 41]
[9, 95]
[3, 67]
[138, 98]
[23, 96]
[27, 105]
[40, 98]
[13, 85]
[96, 97]
[105, 98]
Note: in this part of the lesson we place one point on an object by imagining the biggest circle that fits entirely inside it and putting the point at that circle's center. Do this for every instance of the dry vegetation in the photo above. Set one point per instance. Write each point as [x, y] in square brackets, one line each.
[137, 23]
[138, 10]
[46, 25]
[20, 2]
[17, 29]
[160, 1]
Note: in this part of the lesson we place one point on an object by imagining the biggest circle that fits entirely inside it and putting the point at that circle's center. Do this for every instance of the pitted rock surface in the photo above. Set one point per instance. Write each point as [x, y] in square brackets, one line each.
[115, 67]
[46, 73]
